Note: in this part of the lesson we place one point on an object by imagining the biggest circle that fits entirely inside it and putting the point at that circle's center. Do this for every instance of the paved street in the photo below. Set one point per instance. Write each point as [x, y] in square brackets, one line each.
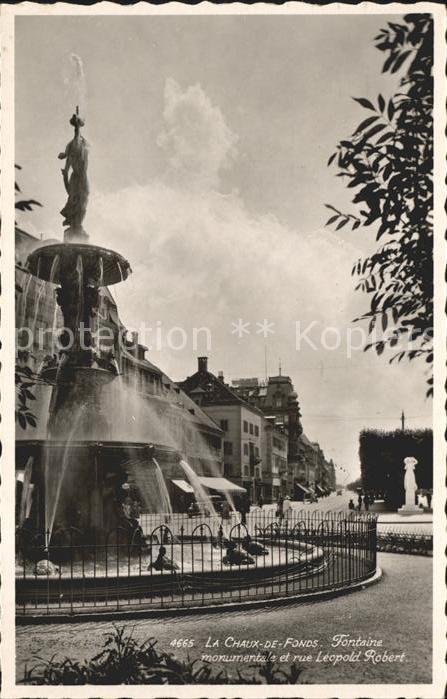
[396, 611]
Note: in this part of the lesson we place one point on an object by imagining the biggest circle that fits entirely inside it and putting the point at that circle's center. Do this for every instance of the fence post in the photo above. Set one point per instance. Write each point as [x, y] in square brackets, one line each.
[71, 571]
[117, 568]
[182, 578]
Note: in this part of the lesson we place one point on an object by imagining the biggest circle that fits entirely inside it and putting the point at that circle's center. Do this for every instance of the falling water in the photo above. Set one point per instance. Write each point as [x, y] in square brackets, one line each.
[53, 333]
[162, 489]
[141, 474]
[23, 302]
[40, 367]
[215, 471]
[36, 309]
[198, 488]
[53, 272]
[80, 275]
[101, 272]
[25, 501]
[54, 474]
[54, 268]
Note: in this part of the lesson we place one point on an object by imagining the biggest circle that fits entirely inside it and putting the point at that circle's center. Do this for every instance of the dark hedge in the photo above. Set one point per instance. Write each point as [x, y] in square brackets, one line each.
[382, 457]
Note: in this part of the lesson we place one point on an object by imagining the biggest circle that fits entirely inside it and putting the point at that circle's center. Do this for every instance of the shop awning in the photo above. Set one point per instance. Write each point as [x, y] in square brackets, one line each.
[303, 488]
[183, 485]
[221, 484]
[320, 489]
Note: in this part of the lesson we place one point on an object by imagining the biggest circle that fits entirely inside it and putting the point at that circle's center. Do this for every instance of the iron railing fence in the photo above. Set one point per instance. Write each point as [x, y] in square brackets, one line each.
[176, 561]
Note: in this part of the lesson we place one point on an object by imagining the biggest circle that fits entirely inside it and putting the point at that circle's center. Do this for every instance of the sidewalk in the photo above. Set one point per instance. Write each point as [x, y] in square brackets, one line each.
[395, 518]
[417, 524]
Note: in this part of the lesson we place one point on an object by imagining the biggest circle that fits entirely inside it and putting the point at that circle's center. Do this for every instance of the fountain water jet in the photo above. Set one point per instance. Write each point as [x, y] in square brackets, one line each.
[164, 494]
[53, 477]
[198, 488]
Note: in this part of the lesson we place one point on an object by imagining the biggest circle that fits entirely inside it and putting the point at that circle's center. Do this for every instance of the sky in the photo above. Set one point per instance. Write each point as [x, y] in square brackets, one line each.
[209, 139]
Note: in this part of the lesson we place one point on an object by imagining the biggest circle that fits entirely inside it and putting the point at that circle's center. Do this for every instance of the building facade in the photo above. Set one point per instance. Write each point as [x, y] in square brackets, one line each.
[274, 459]
[241, 424]
[277, 399]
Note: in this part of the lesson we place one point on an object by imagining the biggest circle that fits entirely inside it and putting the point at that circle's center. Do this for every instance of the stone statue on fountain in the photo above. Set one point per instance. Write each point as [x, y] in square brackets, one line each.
[76, 182]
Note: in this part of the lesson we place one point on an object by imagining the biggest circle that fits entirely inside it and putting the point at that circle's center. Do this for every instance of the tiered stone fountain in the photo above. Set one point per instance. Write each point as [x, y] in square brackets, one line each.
[79, 269]
[80, 470]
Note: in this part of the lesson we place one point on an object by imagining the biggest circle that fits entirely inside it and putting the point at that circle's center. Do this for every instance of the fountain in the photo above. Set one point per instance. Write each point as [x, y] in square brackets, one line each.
[102, 465]
[82, 449]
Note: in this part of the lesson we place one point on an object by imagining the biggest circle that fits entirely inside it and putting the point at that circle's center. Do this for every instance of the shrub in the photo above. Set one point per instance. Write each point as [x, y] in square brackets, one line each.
[381, 458]
[123, 660]
[405, 542]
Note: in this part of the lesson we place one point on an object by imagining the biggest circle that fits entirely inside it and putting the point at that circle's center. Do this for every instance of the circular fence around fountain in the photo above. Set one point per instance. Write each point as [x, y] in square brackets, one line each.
[177, 562]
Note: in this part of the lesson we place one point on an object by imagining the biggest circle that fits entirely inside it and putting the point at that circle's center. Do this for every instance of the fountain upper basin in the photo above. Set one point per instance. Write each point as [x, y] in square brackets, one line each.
[94, 375]
[115, 268]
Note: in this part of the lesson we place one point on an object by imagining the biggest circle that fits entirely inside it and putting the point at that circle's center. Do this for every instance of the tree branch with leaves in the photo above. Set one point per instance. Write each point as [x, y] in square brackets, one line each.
[388, 163]
[25, 379]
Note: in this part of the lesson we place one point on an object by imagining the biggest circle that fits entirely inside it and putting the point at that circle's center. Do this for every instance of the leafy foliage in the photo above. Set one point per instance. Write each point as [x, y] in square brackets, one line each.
[25, 382]
[388, 163]
[382, 457]
[24, 378]
[123, 660]
[24, 204]
[354, 485]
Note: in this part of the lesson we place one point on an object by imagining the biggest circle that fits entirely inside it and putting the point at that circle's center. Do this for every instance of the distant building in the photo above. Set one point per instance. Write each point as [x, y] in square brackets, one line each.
[274, 443]
[241, 423]
[277, 399]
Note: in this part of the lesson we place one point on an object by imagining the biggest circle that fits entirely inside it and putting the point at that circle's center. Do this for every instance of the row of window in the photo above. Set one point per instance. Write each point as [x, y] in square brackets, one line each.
[247, 474]
[228, 449]
[279, 444]
[251, 428]
[247, 450]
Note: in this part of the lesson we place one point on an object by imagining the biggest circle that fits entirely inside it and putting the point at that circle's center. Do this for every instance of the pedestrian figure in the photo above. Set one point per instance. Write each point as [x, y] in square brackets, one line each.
[360, 500]
[280, 508]
[287, 506]
[351, 504]
[366, 502]
[244, 508]
[260, 502]
[225, 510]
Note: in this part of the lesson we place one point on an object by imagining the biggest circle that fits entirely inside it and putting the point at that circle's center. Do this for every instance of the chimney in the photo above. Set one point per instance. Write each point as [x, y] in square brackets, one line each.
[221, 376]
[203, 365]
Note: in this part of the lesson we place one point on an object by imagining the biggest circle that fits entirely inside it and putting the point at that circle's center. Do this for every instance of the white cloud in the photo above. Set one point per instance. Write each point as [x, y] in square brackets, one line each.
[201, 258]
[197, 140]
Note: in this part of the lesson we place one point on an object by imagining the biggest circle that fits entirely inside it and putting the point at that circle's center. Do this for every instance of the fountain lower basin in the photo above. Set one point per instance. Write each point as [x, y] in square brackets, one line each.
[194, 556]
